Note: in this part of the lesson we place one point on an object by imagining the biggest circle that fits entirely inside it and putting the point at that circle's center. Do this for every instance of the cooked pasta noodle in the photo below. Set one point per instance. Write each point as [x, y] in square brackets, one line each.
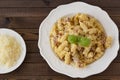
[79, 25]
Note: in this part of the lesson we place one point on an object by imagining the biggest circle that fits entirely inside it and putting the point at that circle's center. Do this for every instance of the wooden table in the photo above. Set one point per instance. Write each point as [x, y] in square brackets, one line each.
[25, 16]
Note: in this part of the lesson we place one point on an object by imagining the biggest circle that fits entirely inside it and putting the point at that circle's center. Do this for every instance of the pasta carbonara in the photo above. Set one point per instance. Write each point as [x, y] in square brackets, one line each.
[79, 40]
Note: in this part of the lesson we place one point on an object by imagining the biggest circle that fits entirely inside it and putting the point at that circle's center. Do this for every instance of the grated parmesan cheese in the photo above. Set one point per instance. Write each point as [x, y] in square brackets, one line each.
[10, 50]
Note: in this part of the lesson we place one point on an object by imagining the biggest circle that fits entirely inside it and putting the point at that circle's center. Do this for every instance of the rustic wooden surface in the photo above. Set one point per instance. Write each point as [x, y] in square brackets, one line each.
[25, 16]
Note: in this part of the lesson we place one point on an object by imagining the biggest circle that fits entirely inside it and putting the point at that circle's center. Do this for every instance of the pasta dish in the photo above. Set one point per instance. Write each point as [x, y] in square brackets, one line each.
[79, 40]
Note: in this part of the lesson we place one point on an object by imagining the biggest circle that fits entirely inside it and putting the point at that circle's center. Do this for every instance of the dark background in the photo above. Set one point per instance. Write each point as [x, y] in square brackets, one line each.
[25, 16]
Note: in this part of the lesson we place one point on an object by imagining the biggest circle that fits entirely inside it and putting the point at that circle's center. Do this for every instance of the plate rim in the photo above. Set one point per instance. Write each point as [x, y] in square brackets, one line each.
[49, 63]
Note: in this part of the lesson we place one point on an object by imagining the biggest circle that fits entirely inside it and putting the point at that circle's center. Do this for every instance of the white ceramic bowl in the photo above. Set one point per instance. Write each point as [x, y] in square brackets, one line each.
[72, 8]
[10, 32]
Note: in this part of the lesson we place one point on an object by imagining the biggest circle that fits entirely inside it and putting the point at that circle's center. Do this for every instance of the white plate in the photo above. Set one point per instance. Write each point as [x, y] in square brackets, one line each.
[72, 8]
[10, 32]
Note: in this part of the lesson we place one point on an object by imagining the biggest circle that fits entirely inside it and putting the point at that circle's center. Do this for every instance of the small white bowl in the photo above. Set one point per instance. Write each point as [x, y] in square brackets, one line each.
[14, 34]
[72, 8]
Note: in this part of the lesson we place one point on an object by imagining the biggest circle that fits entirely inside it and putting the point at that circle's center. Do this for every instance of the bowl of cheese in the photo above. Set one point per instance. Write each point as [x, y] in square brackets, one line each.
[12, 50]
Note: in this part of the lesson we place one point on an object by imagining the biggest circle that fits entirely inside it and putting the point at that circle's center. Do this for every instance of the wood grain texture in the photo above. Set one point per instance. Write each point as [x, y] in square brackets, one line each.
[25, 17]
[38, 12]
[59, 78]
[55, 3]
[42, 69]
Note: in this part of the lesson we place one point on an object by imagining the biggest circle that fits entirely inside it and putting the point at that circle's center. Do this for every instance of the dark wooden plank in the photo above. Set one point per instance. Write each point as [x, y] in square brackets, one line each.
[37, 78]
[116, 19]
[32, 46]
[31, 3]
[112, 11]
[58, 78]
[3, 21]
[24, 12]
[37, 12]
[34, 58]
[54, 3]
[42, 69]
[117, 59]
[27, 23]
[28, 34]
